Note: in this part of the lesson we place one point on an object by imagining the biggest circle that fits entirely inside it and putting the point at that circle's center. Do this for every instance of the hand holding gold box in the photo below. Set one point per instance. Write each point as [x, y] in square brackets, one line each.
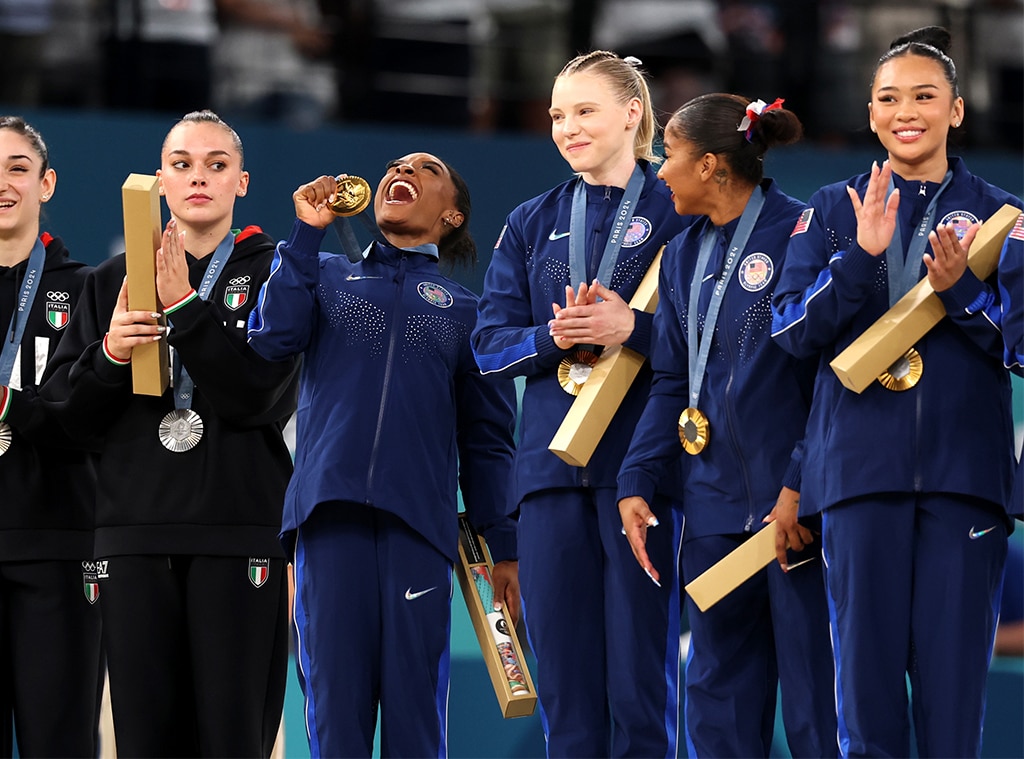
[140, 197]
[494, 630]
[734, 569]
[918, 311]
[599, 397]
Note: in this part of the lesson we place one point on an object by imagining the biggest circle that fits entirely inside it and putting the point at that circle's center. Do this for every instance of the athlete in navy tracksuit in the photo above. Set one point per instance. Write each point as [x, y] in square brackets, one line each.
[755, 398]
[912, 483]
[602, 632]
[393, 417]
[1011, 296]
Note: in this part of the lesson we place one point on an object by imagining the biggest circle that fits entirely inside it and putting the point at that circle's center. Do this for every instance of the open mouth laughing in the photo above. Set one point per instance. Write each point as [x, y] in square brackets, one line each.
[401, 192]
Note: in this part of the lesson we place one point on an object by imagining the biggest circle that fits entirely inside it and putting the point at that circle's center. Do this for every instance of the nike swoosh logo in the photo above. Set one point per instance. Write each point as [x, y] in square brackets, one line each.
[975, 534]
[356, 277]
[554, 236]
[410, 596]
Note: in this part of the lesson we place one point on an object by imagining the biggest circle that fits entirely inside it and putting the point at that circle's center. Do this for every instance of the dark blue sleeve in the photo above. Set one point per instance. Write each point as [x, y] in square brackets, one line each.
[655, 443]
[486, 415]
[283, 321]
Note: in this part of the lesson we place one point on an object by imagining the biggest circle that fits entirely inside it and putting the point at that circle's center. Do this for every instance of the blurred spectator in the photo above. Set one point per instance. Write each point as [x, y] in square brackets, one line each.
[800, 50]
[272, 63]
[680, 45]
[72, 57]
[157, 54]
[998, 45]
[24, 25]
[355, 24]
[519, 46]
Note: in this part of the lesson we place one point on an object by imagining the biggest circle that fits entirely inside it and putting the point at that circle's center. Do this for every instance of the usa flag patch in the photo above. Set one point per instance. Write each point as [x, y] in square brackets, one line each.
[803, 222]
[1017, 233]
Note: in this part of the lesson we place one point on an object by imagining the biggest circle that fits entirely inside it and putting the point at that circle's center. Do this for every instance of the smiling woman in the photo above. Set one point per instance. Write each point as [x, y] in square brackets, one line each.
[394, 417]
[49, 628]
[555, 295]
[938, 486]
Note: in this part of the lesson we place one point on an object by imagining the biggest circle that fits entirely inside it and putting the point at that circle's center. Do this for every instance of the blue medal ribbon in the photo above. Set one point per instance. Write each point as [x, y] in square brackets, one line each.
[698, 360]
[905, 271]
[19, 319]
[183, 384]
[578, 231]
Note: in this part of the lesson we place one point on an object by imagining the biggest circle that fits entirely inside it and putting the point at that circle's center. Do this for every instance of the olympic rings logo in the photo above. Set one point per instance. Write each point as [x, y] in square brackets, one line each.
[240, 280]
[58, 296]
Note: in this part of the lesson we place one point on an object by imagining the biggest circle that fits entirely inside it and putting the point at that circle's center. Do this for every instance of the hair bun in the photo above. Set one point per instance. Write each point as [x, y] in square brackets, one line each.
[934, 36]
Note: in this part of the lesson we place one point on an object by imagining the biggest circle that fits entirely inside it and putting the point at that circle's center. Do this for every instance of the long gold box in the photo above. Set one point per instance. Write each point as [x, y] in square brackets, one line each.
[896, 331]
[495, 632]
[140, 198]
[599, 398]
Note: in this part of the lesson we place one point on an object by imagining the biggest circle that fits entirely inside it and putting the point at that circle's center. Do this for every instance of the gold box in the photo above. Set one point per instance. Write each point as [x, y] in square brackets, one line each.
[140, 198]
[591, 412]
[735, 568]
[495, 632]
[896, 331]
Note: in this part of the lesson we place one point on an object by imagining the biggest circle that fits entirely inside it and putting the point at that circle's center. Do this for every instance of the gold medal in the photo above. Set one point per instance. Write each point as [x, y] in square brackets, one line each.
[5, 437]
[352, 196]
[575, 369]
[693, 430]
[181, 430]
[904, 373]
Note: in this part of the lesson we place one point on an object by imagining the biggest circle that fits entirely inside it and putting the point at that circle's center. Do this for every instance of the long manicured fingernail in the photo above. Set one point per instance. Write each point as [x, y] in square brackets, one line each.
[652, 577]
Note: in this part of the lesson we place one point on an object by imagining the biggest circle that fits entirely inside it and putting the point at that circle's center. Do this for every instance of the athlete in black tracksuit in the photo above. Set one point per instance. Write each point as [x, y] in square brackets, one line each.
[195, 526]
[192, 575]
[50, 671]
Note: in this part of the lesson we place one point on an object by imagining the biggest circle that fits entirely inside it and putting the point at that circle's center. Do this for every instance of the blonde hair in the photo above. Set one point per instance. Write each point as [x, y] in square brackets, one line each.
[628, 81]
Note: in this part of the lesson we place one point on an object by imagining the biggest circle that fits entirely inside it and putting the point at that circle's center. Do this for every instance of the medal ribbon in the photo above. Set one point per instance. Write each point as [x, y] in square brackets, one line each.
[698, 360]
[904, 273]
[578, 231]
[343, 228]
[183, 384]
[27, 295]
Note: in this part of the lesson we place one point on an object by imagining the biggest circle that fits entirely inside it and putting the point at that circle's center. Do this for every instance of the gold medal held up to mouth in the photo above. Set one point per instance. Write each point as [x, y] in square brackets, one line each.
[352, 196]
[574, 370]
[904, 373]
[694, 430]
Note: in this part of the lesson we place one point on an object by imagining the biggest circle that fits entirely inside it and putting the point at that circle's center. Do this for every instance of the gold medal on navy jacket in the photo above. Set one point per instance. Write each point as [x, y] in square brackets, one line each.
[694, 430]
[574, 370]
[904, 373]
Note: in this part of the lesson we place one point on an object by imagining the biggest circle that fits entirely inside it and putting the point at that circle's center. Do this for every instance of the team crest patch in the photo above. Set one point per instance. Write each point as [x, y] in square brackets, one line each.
[237, 292]
[755, 272]
[91, 571]
[259, 571]
[434, 294]
[1017, 233]
[960, 220]
[58, 309]
[803, 222]
[638, 231]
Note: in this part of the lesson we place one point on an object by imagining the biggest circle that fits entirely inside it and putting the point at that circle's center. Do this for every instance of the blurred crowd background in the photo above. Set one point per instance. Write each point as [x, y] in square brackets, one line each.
[486, 65]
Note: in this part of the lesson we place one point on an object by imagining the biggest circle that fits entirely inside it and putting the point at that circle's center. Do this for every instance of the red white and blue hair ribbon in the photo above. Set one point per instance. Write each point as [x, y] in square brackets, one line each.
[754, 111]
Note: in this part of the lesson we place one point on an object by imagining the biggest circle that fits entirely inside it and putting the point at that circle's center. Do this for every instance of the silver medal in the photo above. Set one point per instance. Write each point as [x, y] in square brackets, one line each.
[181, 430]
[5, 437]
